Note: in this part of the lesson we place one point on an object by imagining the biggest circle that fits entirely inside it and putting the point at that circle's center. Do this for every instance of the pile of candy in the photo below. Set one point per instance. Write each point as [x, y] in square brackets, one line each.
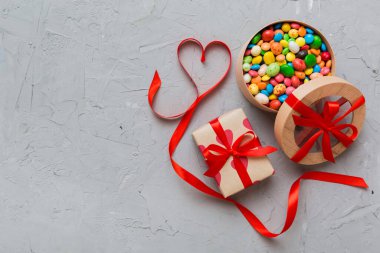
[282, 57]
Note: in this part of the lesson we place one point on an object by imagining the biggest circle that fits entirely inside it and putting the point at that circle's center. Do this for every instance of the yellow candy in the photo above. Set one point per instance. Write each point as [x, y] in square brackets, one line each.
[269, 58]
[306, 80]
[265, 78]
[290, 56]
[272, 97]
[284, 43]
[285, 27]
[279, 89]
[293, 33]
[309, 71]
[257, 59]
[300, 41]
[253, 89]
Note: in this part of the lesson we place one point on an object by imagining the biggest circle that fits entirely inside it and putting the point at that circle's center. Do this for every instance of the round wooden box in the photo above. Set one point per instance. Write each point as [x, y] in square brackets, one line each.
[239, 66]
[314, 91]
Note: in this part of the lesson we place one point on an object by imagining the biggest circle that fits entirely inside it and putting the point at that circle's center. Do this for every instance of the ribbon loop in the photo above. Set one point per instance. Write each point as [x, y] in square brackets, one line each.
[325, 123]
[217, 158]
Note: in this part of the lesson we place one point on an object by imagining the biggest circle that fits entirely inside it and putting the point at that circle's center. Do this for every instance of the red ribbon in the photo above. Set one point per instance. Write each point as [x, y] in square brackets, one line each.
[216, 156]
[326, 124]
[199, 185]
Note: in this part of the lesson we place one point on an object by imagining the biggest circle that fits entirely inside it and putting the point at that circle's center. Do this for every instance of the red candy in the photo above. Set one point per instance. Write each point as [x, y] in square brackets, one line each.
[305, 47]
[247, 52]
[295, 81]
[253, 73]
[273, 82]
[267, 35]
[299, 64]
[325, 56]
[275, 104]
[279, 78]
[287, 81]
[295, 25]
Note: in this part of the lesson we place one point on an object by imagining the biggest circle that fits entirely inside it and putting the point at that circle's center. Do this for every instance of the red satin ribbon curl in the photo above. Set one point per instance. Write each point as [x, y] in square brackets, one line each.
[326, 124]
[201, 186]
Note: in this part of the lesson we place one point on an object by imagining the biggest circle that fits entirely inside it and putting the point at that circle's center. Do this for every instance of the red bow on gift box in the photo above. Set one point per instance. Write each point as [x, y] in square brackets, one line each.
[326, 124]
[246, 145]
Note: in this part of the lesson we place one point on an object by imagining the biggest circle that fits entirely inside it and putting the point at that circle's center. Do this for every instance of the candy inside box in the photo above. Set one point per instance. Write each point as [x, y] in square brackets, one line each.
[278, 59]
[290, 58]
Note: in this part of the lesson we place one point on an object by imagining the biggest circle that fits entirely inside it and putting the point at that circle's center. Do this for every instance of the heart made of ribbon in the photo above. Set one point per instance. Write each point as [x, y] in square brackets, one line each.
[156, 82]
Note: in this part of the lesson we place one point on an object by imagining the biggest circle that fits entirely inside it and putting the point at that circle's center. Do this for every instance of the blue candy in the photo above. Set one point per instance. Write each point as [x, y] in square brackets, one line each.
[282, 98]
[309, 31]
[323, 47]
[269, 88]
[250, 46]
[277, 26]
[266, 93]
[255, 67]
[290, 64]
[277, 37]
[309, 38]
[317, 68]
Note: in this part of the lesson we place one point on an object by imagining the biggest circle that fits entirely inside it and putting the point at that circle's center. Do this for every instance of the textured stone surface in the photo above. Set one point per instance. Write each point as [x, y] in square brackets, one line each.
[84, 164]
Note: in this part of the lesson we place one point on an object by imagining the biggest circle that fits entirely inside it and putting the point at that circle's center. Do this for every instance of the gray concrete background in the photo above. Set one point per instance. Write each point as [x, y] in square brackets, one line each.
[84, 164]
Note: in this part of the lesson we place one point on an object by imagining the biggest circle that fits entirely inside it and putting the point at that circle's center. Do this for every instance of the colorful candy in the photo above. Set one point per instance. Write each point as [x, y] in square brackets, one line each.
[282, 57]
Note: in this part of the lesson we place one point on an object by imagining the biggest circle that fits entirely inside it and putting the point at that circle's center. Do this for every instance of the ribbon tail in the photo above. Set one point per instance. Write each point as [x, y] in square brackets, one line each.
[242, 172]
[294, 197]
[304, 150]
[326, 147]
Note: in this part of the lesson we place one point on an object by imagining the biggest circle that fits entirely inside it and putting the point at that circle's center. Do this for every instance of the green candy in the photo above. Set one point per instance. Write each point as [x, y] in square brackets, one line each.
[256, 38]
[263, 52]
[310, 60]
[285, 51]
[273, 69]
[317, 42]
[286, 70]
[291, 39]
[247, 59]
[286, 37]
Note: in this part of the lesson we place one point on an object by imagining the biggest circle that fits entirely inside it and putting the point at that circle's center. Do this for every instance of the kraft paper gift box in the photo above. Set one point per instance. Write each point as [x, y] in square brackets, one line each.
[234, 124]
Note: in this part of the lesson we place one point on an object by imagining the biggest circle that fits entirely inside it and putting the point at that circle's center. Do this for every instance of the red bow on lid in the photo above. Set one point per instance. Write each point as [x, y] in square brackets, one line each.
[326, 124]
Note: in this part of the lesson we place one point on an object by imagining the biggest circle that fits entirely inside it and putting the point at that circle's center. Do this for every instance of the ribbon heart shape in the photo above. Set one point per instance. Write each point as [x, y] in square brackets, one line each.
[246, 145]
[156, 82]
[326, 123]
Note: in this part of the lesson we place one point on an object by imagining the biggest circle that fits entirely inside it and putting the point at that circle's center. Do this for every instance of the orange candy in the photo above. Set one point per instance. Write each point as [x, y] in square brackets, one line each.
[328, 64]
[315, 51]
[319, 59]
[279, 31]
[265, 46]
[276, 48]
[300, 74]
[262, 85]
[302, 31]
[280, 57]
[321, 64]
[256, 79]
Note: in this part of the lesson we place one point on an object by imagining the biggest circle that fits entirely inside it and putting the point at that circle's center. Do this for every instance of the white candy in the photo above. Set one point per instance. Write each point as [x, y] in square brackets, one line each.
[262, 99]
[247, 78]
[256, 50]
[262, 70]
[293, 47]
